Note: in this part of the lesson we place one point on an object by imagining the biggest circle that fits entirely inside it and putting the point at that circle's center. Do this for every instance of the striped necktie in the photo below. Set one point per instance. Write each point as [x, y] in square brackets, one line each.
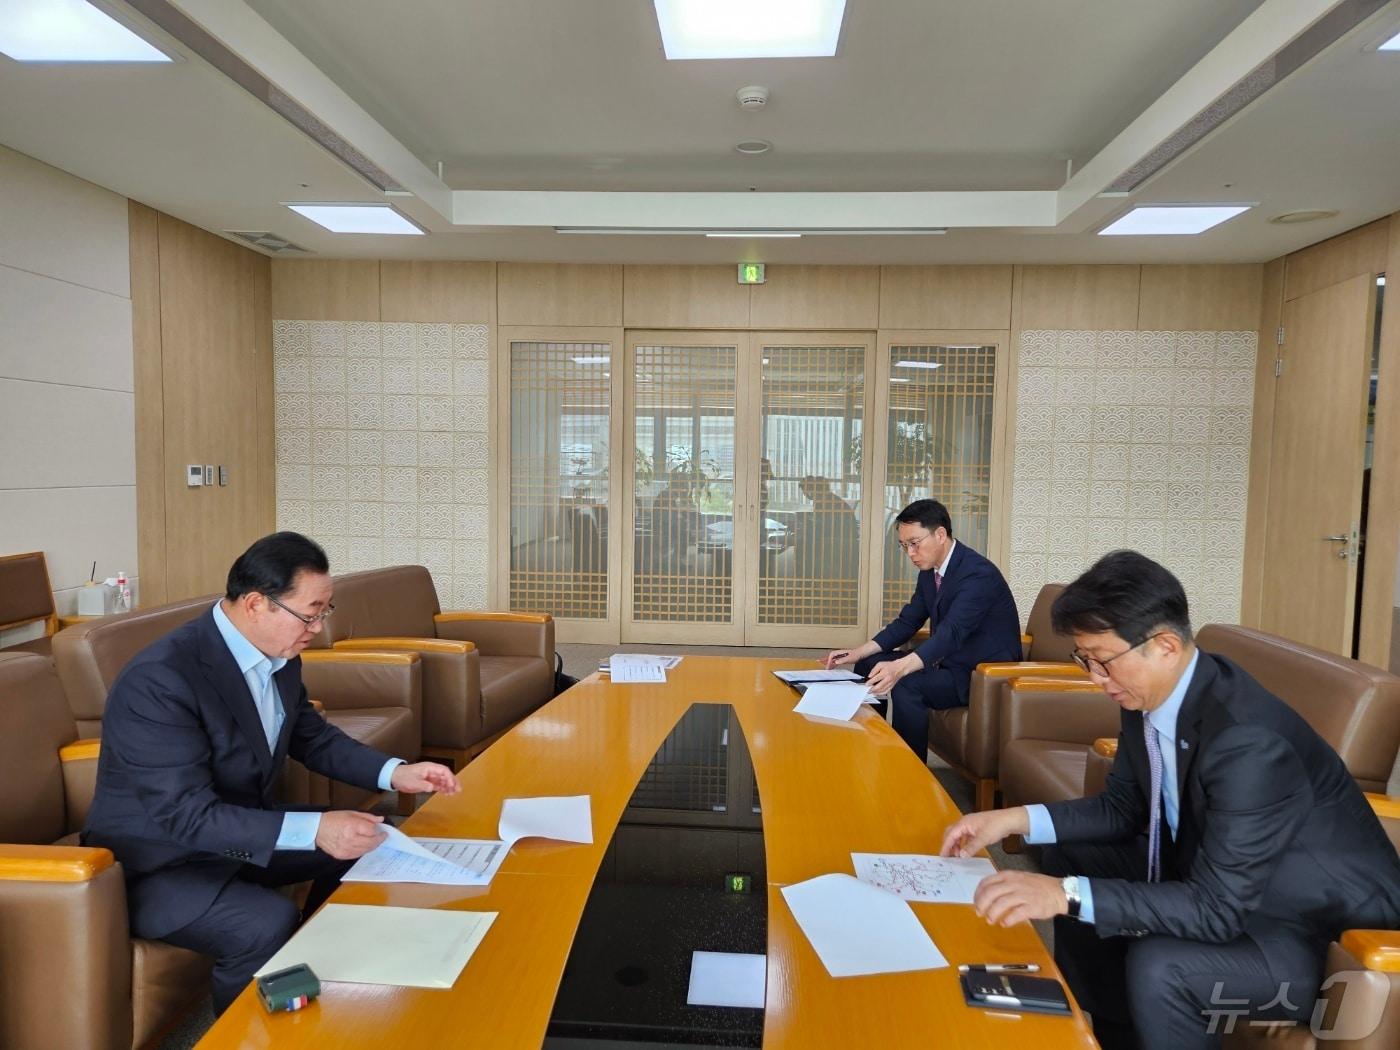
[1154, 821]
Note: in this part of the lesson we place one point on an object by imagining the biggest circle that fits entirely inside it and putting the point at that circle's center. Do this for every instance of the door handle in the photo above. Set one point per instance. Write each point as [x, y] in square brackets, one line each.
[1338, 539]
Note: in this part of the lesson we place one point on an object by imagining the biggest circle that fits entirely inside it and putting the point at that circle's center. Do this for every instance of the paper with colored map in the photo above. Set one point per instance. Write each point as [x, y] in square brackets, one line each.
[918, 877]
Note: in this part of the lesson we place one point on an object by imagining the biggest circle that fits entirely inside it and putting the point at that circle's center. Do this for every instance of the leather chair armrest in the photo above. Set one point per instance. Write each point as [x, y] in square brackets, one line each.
[1377, 950]
[66, 950]
[982, 736]
[1026, 641]
[1101, 757]
[24, 863]
[501, 633]
[78, 761]
[351, 679]
[1387, 807]
[451, 685]
[1063, 709]
[74, 619]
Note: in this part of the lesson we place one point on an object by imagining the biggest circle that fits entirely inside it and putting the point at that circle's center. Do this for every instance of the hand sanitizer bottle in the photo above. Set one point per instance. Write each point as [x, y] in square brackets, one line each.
[123, 595]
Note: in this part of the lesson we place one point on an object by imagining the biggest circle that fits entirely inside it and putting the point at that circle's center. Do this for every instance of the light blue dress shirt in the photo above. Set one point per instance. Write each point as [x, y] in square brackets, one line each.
[298, 829]
[1163, 720]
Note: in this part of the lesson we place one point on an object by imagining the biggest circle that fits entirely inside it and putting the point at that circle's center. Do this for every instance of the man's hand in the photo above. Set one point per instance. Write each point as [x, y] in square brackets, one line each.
[884, 675]
[1009, 897]
[424, 776]
[346, 833]
[976, 831]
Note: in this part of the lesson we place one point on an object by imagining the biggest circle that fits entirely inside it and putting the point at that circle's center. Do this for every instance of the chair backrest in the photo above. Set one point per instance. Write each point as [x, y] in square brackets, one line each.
[89, 656]
[1353, 706]
[37, 723]
[25, 592]
[1045, 643]
[399, 601]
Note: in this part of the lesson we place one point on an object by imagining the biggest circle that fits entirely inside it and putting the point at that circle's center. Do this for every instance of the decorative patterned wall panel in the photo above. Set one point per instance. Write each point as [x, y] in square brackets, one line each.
[1133, 439]
[383, 452]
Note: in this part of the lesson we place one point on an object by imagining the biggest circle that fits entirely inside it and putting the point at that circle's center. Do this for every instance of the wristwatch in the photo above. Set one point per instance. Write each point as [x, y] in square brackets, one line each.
[1070, 884]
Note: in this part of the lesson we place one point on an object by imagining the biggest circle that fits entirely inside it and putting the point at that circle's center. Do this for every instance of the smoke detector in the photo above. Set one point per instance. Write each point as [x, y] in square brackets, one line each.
[752, 98]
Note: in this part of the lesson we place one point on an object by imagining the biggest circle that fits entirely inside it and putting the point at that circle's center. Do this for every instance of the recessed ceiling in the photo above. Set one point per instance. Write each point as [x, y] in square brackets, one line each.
[923, 96]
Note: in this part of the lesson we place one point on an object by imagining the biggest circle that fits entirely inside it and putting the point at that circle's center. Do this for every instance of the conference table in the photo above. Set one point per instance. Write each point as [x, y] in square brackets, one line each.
[826, 789]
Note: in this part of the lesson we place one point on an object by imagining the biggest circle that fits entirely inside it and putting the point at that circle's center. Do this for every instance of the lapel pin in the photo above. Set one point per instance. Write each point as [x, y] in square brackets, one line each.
[1185, 746]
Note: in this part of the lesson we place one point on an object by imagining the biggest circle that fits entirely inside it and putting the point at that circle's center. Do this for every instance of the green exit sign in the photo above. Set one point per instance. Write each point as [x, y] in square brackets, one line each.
[738, 882]
[750, 273]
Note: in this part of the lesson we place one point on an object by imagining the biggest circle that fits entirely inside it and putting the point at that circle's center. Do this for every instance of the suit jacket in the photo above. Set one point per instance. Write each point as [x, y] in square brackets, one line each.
[1273, 832]
[185, 781]
[972, 616]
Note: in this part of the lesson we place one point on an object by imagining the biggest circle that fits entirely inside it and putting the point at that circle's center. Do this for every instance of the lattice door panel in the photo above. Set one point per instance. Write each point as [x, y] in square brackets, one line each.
[560, 417]
[938, 430]
[683, 492]
[808, 529]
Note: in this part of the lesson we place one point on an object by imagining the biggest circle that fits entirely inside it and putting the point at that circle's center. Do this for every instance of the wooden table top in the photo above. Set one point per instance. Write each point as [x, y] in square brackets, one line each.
[827, 791]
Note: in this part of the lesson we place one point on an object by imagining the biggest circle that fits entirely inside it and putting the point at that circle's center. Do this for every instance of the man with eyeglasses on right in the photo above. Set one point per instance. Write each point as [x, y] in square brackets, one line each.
[196, 731]
[971, 616]
[1227, 848]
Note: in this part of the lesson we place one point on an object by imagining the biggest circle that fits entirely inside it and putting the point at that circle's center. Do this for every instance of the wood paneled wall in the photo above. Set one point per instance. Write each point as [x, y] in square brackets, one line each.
[202, 327]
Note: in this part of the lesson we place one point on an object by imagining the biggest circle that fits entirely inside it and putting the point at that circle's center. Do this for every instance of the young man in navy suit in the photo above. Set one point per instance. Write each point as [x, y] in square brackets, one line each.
[971, 615]
[196, 732]
[1228, 847]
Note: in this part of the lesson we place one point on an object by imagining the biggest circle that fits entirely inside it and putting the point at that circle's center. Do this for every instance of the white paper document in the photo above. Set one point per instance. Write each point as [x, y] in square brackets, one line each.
[839, 700]
[857, 929]
[623, 668]
[917, 877]
[818, 674]
[727, 979]
[363, 944]
[568, 818]
[443, 862]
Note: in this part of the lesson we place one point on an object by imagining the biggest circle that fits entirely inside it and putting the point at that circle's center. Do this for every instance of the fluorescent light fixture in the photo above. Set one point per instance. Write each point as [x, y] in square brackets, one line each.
[1393, 44]
[357, 218]
[664, 231]
[896, 379]
[1172, 219]
[744, 29]
[918, 364]
[69, 31]
[594, 360]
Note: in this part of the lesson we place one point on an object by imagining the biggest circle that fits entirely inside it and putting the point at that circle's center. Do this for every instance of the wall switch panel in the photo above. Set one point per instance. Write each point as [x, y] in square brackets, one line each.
[223, 474]
[208, 474]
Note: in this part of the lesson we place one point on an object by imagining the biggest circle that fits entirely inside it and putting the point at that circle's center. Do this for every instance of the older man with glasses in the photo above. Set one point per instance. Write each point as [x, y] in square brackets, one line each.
[196, 733]
[971, 616]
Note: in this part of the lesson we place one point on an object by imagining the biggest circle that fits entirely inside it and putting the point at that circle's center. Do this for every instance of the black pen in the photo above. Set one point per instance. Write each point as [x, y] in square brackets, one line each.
[999, 968]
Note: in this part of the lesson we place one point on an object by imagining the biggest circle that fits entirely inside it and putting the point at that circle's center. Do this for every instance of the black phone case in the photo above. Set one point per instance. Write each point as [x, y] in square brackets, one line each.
[1038, 995]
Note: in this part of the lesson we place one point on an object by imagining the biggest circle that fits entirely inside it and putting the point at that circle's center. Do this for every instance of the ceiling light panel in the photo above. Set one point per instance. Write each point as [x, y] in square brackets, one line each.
[68, 31]
[744, 29]
[1170, 220]
[1393, 44]
[357, 218]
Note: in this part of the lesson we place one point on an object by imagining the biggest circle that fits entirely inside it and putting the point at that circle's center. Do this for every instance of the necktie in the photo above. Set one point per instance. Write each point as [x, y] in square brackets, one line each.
[1154, 821]
[937, 581]
[270, 710]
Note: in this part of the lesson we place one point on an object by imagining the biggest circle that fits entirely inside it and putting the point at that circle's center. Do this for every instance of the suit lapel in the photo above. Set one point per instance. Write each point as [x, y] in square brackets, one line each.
[1188, 738]
[226, 680]
[949, 580]
[288, 691]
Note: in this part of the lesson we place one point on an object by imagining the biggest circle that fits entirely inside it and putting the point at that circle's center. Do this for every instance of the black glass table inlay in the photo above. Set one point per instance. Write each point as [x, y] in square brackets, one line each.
[684, 873]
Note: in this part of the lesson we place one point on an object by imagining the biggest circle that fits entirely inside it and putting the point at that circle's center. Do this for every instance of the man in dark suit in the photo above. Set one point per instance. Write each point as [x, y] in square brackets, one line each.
[1259, 847]
[195, 735]
[972, 619]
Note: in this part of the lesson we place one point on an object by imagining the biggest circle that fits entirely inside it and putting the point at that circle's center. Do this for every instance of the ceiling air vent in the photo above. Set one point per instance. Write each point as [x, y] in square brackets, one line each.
[268, 242]
[1327, 30]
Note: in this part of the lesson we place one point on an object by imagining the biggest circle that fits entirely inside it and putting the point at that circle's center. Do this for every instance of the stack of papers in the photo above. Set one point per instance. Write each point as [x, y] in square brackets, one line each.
[918, 877]
[839, 700]
[474, 862]
[364, 944]
[858, 929]
[625, 667]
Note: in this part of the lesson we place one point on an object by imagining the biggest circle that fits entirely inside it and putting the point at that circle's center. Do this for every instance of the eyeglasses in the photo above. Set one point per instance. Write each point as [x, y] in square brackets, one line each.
[310, 621]
[1100, 667]
[907, 547]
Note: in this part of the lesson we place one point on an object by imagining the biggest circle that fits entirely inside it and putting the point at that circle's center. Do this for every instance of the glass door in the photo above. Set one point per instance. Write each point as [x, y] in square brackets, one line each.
[688, 483]
[808, 507]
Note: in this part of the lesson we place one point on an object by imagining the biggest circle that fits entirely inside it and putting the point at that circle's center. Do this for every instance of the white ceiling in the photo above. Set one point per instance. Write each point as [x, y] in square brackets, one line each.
[558, 95]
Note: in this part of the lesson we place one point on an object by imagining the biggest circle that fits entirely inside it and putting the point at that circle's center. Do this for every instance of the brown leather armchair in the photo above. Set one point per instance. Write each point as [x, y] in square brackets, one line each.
[969, 738]
[482, 671]
[73, 975]
[26, 597]
[374, 697]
